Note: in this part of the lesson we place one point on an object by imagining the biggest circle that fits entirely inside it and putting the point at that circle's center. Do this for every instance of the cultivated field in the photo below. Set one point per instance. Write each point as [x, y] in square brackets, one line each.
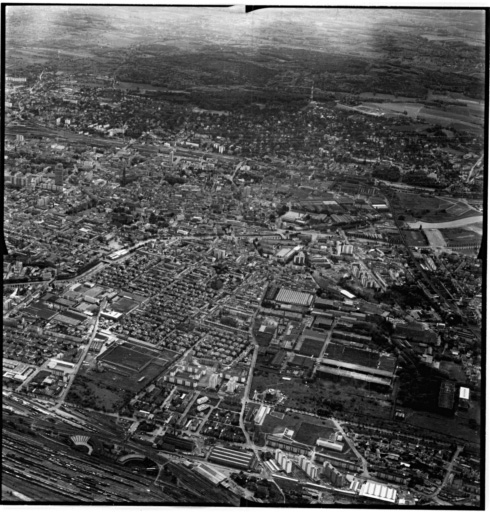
[460, 236]
[433, 209]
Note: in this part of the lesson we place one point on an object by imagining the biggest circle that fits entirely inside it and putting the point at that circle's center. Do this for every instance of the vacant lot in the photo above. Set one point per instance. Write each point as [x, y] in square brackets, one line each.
[273, 424]
[455, 371]
[455, 427]
[415, 238]
[308, 433]
[109, 379]
[105, 399]
[110, 390]
[435, 238]
[327, 395]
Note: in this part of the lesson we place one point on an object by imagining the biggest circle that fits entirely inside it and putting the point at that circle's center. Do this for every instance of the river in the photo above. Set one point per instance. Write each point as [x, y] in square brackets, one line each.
[449, 224]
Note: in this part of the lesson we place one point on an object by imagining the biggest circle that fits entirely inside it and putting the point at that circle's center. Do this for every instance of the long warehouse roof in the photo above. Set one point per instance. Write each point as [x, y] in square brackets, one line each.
[357, 367]
[294, 297]
[378, 491]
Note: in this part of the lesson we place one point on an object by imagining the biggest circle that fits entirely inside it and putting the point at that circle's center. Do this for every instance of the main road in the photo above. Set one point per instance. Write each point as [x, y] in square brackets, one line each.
[71, 378]
[352, 446]
[448, 471]
[249, 443]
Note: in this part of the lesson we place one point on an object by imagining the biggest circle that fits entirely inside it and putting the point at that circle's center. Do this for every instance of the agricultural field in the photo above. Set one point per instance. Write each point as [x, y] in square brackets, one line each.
[423, 208]
[448, 115]
[460, 236]
[459, 210]
[426, 208]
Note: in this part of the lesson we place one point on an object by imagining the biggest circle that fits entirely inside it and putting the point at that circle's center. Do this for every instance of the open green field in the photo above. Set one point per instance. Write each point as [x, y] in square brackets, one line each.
[423, 207]
[306, 428]
[105, 399]
[455, 371]
[125, 356]
[449, 115]
[455, 427]
[415, 238]
[326, 395]
[433, 209]
[273, 424]
[308, 433]
[110, 390]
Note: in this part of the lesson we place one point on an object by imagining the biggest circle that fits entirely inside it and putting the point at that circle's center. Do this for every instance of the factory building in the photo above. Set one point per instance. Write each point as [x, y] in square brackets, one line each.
[232, 458]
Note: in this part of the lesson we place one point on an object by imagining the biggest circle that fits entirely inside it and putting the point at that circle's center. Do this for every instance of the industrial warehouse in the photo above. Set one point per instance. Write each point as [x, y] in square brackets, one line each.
[233, 458]
[361, 365]
[287, 296]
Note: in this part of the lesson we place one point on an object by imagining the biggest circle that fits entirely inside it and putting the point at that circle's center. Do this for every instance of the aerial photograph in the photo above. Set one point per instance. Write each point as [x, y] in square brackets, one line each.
[244, 255]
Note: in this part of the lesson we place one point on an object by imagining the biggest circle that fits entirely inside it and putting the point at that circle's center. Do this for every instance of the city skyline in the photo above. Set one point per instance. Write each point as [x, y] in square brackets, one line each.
[244, 256]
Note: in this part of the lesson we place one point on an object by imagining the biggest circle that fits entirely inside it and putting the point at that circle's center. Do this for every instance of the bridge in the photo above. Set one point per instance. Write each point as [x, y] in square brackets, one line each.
[131, 456]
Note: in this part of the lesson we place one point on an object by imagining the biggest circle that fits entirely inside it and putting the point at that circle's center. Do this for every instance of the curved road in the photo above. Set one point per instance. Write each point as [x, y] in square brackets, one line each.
[449, 224]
